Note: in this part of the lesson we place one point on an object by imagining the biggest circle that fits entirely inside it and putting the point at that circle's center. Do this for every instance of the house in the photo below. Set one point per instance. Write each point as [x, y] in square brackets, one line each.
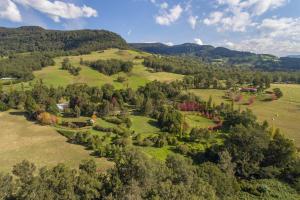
[248, 89]
[7, 79]
[62, 106]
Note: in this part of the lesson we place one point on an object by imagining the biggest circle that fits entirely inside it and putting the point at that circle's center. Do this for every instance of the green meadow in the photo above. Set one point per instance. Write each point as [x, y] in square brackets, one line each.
[21, 139]
[139, 76]
[283, 113]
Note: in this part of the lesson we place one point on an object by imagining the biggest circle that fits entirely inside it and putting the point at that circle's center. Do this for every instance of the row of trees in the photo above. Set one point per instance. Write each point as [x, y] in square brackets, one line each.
[110, 67]
[66, 65]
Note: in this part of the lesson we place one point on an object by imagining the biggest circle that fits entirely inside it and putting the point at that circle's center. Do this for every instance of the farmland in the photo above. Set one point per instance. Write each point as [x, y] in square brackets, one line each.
[21, 139]
[285, 111]
[85, 116]
[139, 76]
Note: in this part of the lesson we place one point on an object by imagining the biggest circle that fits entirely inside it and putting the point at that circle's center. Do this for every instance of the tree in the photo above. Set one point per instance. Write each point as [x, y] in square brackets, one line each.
[247, 146]
[281, 152]
[148, 109]
[24, 171]
[77, 111]
[225, 185]
[31, 106]
[171, 120]
[6, 186]
[233, 118]
[198, 134]
[278, 92]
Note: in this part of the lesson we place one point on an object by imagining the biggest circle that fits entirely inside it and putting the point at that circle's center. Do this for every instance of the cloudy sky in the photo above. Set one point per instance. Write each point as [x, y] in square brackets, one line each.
[262, 26]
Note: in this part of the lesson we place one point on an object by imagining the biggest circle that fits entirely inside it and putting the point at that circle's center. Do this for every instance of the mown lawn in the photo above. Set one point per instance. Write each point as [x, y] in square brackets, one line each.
[197, 121]
[142, 124]
[158, 153]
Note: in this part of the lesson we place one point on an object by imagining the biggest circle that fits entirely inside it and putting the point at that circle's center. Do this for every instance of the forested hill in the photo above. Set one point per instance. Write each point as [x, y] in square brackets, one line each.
[34, 38]
[190, 49]
[223, 55]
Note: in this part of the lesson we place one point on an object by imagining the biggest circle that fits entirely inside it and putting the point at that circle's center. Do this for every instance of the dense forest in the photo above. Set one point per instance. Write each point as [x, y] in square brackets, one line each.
[21, 66]
[226, 56]
[32, 38]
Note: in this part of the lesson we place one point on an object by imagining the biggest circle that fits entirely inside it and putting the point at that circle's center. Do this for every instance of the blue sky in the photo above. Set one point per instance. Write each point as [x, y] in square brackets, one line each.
[262, 26]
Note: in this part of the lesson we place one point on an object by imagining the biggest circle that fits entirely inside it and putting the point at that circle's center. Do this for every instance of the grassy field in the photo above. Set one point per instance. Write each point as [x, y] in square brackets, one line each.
[285, 111]
[139, 76]
[196, 121]
[21, 139]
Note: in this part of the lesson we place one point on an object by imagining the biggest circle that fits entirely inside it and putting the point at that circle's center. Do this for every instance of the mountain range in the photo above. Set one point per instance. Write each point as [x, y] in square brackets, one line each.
[35, 39]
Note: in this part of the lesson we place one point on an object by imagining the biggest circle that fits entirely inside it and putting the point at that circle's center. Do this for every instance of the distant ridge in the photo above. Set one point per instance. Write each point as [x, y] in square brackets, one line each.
[294, 56]
[190, 49]
[223, 55]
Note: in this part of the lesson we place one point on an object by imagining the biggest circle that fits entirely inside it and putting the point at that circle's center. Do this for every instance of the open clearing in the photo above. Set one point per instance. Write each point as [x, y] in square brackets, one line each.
[285, 111]
[21, 139]
[139, 76]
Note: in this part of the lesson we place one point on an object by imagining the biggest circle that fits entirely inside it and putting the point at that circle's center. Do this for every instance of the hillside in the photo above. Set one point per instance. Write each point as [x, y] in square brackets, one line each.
[190, 49]
[34, 38]
[223, 55]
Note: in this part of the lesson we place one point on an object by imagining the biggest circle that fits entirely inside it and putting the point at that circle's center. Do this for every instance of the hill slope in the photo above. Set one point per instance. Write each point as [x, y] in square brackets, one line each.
[223, 55]
[190, 49]
[34, 38]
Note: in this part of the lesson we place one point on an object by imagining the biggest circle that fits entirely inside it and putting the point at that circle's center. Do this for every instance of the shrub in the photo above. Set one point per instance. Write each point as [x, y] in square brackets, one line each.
[3, 106]
[147, 142]
[121, 79]
[278, 92]
[183, 149]
[46, 118]
[67, 134]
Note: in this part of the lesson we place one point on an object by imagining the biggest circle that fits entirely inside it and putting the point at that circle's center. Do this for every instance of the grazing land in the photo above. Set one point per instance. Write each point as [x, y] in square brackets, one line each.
[21, 139]
[285, 111]
[139, 76]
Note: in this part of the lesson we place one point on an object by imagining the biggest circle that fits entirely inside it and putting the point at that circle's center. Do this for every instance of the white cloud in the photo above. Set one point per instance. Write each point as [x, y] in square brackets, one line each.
[169, 43]
[169, 16]
[198, 41]
[258, 7]
[9, 10]
[280, 36]
[56, 9]
[193, 21]
[237, 15]
[129, 32]
[164, 5]
[214, 18]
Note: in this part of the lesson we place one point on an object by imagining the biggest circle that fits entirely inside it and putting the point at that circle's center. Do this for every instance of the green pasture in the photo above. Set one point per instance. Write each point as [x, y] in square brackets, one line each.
[21, 139]
[283, 113]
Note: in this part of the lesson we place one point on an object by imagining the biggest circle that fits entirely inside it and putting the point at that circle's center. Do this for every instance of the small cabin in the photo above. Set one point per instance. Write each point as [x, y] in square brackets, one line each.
[248, 89]
[62, 106]
[7, 79]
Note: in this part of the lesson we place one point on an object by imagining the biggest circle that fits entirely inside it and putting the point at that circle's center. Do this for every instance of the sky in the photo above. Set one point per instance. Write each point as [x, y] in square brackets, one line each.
[260, 26]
